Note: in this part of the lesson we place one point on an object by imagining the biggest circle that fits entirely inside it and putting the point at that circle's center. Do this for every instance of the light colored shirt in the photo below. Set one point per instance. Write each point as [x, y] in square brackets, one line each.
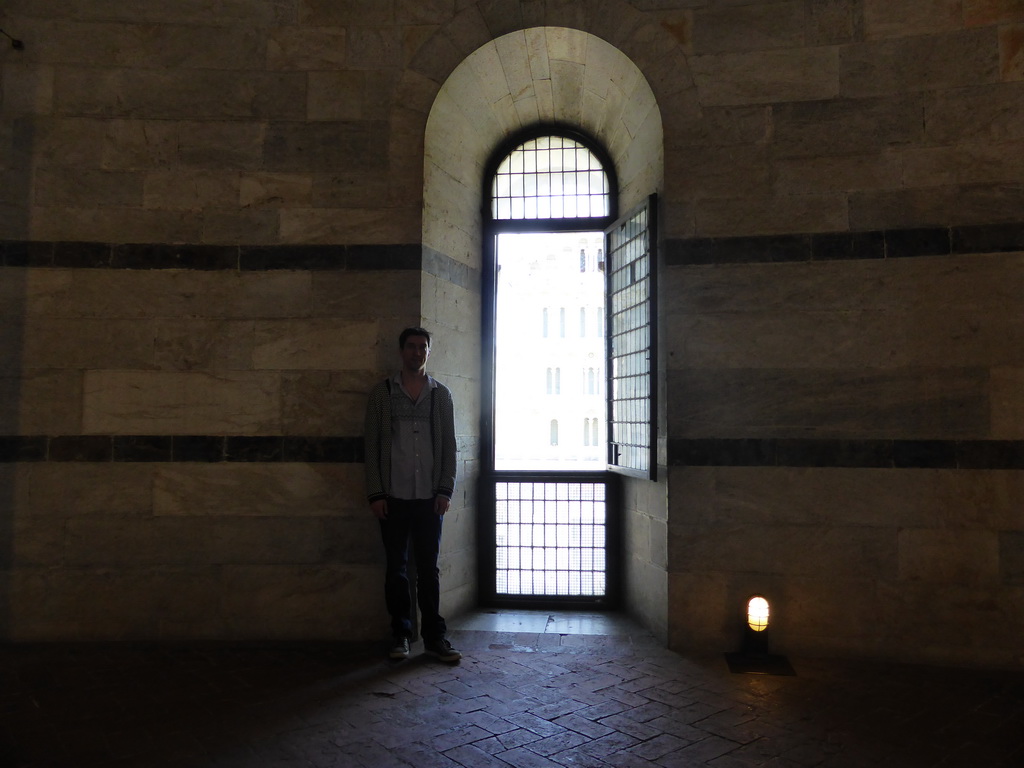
[412, 451]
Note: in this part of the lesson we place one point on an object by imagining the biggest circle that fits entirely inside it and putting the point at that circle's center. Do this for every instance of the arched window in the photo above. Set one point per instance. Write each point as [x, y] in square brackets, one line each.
[550, 177]
[553, 244]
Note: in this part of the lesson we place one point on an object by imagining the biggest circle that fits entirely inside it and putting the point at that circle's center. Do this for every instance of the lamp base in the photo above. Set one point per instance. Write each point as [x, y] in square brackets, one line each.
[759, 664]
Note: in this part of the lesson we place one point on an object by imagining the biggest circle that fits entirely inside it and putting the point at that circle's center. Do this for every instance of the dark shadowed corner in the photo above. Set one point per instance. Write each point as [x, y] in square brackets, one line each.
[15, 254]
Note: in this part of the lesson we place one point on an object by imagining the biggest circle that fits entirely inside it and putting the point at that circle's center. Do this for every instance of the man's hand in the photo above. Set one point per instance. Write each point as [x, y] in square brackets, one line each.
[379, 508]
[441, 504]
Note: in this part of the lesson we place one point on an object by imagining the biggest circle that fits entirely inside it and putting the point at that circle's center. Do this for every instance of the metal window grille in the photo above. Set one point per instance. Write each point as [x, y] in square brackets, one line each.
[550, 538]
[552, 177]
[631, 295]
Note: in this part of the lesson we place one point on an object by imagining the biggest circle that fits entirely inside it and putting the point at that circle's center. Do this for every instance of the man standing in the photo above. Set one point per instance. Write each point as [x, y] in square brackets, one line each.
[410, 478]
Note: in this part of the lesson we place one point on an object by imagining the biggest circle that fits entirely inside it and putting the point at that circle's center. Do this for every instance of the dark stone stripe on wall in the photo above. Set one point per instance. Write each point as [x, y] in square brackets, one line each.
[708, 452]
[826, 246]
[180, 448]
[73, 255]
[860, 454]
[837, 246]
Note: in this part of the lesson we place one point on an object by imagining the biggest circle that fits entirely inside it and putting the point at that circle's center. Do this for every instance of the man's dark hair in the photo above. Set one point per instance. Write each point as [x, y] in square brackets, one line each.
[413, 332]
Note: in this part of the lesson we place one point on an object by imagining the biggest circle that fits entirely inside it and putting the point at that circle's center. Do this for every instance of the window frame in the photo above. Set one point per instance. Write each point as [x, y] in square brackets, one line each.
[493, 227]
[649, 208]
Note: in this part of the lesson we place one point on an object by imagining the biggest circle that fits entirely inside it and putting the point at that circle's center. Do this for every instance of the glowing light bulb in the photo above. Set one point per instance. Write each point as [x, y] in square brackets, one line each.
[757, 613]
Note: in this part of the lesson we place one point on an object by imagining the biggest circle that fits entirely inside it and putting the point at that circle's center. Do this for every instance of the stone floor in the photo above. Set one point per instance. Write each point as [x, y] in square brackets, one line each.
[533, 690]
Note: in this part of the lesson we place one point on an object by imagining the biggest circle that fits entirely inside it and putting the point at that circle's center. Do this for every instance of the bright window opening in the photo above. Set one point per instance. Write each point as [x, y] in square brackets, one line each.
[535, 272]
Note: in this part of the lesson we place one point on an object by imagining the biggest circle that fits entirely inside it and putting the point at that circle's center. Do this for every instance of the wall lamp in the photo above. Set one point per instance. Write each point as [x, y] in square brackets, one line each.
[754, 656]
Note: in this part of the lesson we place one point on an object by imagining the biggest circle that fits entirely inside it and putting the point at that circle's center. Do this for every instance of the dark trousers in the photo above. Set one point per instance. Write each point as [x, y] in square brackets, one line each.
[415, 521]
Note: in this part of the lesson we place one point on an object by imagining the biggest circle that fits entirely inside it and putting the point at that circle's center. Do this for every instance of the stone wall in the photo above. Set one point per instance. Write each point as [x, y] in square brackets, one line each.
[215, 216]
[843, 340]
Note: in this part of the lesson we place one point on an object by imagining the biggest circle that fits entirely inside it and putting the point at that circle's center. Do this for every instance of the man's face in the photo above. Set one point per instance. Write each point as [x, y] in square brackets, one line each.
[415, 353]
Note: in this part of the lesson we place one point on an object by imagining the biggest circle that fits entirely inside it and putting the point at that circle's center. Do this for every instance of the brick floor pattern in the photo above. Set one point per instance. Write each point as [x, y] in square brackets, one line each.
[520, 700]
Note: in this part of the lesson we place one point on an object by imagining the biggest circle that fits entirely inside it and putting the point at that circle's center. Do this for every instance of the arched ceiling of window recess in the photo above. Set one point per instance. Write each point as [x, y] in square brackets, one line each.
[533, 75]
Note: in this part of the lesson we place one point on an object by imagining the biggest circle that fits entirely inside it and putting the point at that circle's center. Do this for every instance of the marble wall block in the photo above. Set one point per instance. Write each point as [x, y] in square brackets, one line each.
[13, 189]
[722, 172]
[920, 63]
[1011, 52]
[304, 48]
[1007, 403]
[985, 113]
[906, 18]
[423, 11]
[771, 214]
[59, 343]
[372, 293]
[147, 45]
[759, 497]
[315, 343]
[28, 90]
[978, 12]
[784, 550]
[40, 402]
[326, 403]
[922, 338]
[215, 144]
[166, 294]
[752, 27]
[949, 556]
[282, 602]
[982, 283]
[316, 146]
[69, 490]
[646, 594]
[835, 611]
[845, 126]
[337, 95]
[964, 164]
[971, 204]
[190, 190]
[180, 94]
[245, 226]
[26, 544]
[702, 610]
[58, 141]
[260, 490]
[369, 226]
[324, 13]
[139, 144]
[220, 541]
[116, 543]
[765, 77]
[85, 604]
[345, 188]
[813, 175]
[206, 344]
[124, 402]
[990, 637]
[879, 403]
[112, 225]
[1011, 557]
